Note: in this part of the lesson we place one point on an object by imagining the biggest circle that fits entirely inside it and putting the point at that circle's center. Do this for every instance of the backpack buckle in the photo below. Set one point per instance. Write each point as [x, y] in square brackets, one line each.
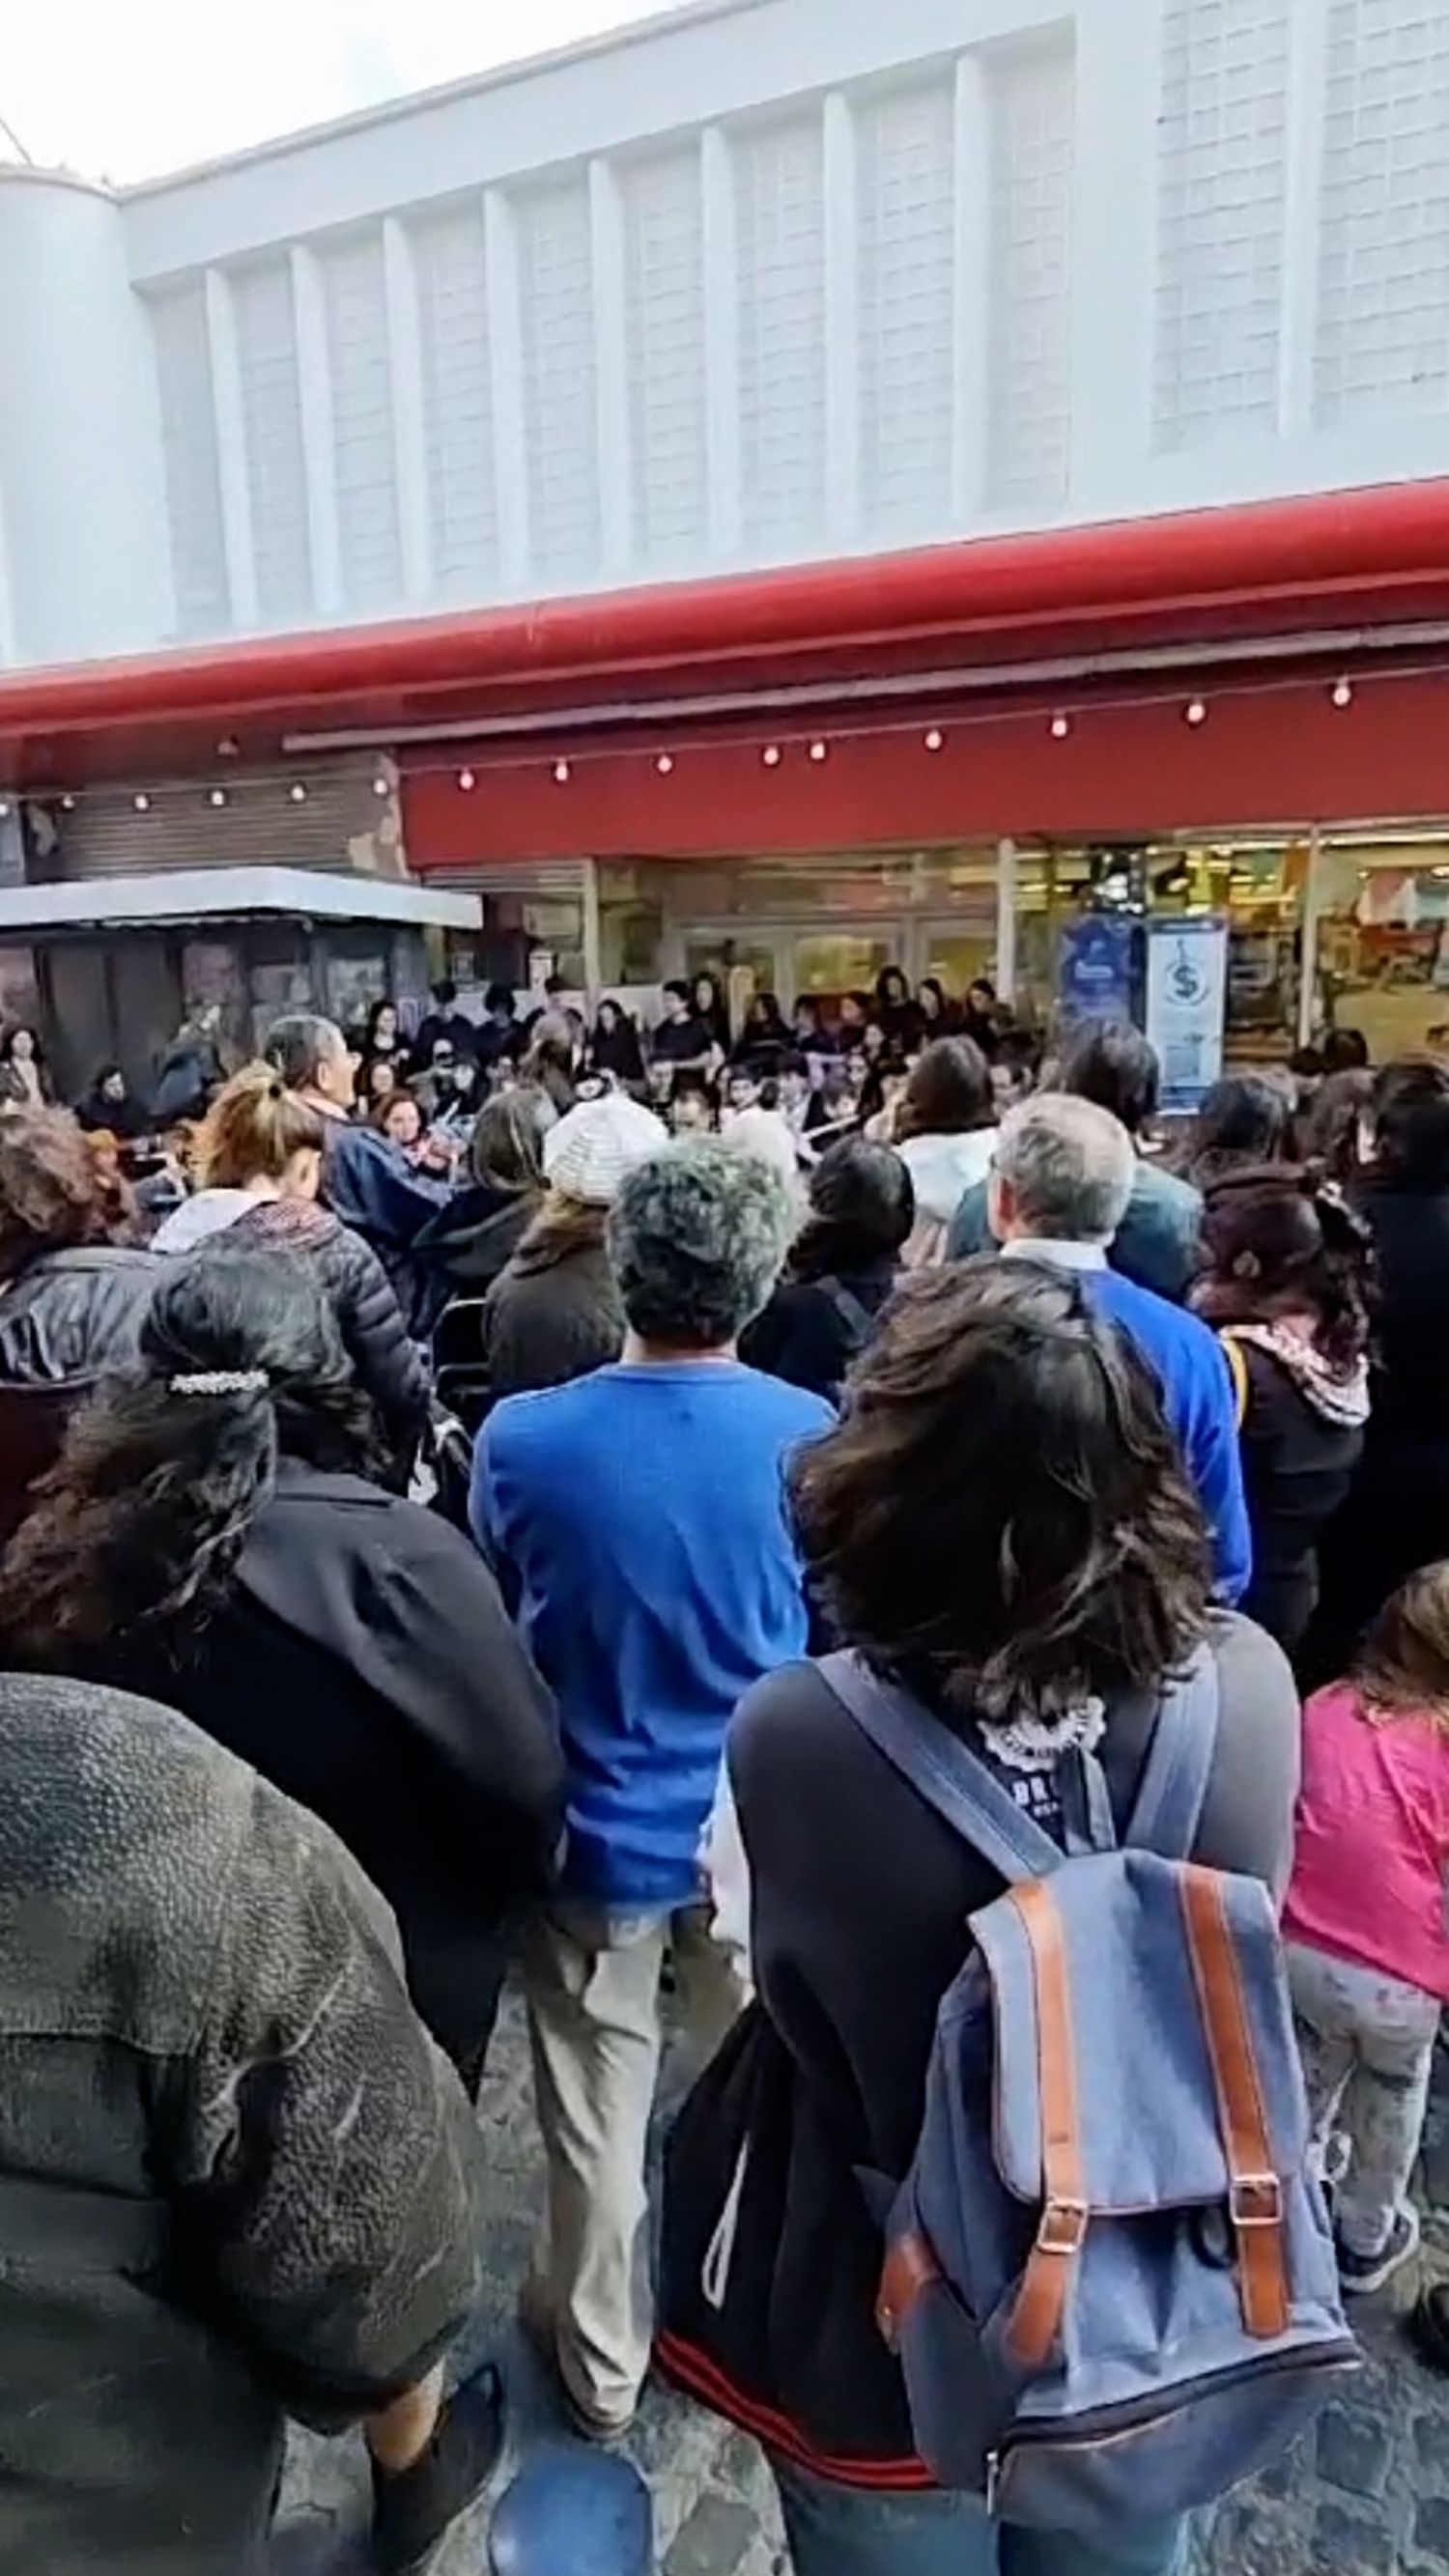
[1063, 2228]
[1256, 2200]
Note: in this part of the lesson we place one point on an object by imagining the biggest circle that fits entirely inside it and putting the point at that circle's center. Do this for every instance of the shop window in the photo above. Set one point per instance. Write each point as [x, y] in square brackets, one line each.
[1383, 940]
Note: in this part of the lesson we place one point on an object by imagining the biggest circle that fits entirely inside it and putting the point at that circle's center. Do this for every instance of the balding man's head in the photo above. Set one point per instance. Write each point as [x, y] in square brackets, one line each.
[1062, 1172]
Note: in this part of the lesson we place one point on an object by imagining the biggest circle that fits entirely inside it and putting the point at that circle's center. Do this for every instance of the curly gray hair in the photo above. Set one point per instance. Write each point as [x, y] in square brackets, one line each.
[698, 1236]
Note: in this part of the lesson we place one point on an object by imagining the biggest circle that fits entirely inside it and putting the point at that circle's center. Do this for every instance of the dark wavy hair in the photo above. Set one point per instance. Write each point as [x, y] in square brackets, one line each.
[56, 1191]
[1247, 1118]
[1002, 1519]
[862, 1209]
[139, 1528]
[949, 1092]
[1276, 1238]
[1411, 1125]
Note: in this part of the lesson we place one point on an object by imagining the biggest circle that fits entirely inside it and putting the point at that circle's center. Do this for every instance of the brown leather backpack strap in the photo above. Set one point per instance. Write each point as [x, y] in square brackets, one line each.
[1256, 2191]
[1036, 2324]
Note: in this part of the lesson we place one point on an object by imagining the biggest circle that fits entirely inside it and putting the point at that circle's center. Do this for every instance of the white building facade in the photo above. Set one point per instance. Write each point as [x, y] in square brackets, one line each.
[763, 282]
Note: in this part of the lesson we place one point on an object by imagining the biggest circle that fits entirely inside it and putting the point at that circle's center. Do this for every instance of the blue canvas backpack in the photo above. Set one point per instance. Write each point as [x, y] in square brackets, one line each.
[1110, 2274]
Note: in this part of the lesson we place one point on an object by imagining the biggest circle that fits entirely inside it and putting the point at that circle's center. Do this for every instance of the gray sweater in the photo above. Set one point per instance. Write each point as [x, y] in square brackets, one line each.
[236, 2179]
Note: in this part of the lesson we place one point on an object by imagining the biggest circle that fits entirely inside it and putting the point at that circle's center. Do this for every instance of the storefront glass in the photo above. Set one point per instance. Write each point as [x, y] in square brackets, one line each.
[1383, 937]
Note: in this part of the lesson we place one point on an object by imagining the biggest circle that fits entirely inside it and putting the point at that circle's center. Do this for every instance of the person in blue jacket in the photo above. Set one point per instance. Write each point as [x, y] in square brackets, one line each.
[1061, 1178]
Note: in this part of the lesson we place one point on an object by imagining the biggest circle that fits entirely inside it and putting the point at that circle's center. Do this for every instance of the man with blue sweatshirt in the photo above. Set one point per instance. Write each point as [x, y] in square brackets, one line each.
[638, 1520]
[1061, 1178]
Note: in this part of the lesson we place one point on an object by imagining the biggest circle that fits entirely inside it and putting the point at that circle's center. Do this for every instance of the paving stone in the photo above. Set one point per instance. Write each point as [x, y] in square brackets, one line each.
[1355, 2451]
[1365, 2494]
[718, 2535]
[1347, 2544]
[1431, 2528]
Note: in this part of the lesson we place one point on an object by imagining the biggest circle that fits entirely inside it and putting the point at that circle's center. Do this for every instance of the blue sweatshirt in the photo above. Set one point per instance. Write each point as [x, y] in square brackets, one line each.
[637, 1517]
[1197, 1395]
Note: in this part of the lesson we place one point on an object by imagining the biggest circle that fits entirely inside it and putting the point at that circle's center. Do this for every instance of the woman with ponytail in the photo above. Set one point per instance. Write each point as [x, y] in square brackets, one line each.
[215, 1538]
[259, 1160]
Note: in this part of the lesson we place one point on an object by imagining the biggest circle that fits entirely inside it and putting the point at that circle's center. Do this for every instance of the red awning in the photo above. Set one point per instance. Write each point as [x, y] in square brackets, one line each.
[1329, 561]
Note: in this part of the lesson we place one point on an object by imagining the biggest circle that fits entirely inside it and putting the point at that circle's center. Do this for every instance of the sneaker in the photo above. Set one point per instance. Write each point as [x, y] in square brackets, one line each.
[413, 2511]
[1362, 2274]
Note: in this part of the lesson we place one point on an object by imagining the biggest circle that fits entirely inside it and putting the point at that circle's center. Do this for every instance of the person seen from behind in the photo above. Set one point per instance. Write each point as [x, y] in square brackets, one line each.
[1156, 1244]
[74, 1286]
[1365, 1921]
[1000, 1420]
[1245, 1121]
[365, 1184]
[554, 1311]
[1335, 1131]
[1060, 1184]
[843, 1268]
[259, 1160]
[1396, 1516]
[238, 2184]
[945, 1133]
[215, 1537]
[1286, 1288]
[638, 1520]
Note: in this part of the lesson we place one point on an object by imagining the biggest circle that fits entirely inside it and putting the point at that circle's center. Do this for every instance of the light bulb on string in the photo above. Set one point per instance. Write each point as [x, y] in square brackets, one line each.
[771, 755]
[935, 739]
[141, 801]
[297, 792]
[1196, 711]
[381, 786]
[561, 773]
[1343, 693]
[466, 780]
[819, 751]
[1061, 727]
[665, 764]
[67, 804]
[217, 796]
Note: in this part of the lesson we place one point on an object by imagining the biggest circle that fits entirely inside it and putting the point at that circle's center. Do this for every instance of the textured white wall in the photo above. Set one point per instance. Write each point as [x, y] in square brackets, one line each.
[84, 560]
[767, 281]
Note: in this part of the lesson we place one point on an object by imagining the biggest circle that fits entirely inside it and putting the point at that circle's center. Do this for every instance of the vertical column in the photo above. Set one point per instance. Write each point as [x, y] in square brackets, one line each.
[842, 324]
[593, 935]
[1006, 920]
[409, 428]
[231, 449]
[1298, 325]
[319, 461]
[1314, 892]
[611, 366]
[1116, 90]
[9, 647]
[505, 350]
[970, 442]
[722, 345]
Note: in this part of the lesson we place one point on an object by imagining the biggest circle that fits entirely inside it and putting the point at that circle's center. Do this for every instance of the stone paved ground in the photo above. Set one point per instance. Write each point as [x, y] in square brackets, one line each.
[1369, 2496]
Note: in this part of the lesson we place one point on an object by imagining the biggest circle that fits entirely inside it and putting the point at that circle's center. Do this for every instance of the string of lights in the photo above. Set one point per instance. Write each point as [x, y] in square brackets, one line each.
[1059, 724]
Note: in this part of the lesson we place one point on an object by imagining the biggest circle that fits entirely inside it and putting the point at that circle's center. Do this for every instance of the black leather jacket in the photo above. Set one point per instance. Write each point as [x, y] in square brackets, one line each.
[73, 1314]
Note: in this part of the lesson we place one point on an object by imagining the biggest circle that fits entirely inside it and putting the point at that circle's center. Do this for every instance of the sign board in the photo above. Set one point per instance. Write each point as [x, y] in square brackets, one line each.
[1187, 986]
[1095, 968]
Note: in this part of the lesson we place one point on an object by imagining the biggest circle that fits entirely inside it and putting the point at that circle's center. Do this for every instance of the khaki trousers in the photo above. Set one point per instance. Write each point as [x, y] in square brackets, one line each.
[592, 1983]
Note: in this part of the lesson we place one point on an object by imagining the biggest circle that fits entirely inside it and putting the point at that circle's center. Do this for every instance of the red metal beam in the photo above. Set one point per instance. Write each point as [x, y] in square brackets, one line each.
[1264, 566]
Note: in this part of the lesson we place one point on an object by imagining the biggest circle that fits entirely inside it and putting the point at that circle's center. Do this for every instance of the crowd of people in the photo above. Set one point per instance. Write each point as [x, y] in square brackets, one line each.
[433, 1525]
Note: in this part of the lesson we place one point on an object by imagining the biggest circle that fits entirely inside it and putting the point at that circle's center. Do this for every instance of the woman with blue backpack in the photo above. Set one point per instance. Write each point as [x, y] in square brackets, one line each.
[994, 2219]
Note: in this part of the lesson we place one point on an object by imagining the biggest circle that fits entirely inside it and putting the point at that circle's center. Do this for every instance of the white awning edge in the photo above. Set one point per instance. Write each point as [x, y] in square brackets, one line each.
[221, 894]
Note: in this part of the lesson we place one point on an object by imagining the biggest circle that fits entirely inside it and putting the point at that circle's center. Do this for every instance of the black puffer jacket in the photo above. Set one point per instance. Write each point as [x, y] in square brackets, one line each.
[72, 1314]
[237, 2181]
[69, 1317]
[388, 1364]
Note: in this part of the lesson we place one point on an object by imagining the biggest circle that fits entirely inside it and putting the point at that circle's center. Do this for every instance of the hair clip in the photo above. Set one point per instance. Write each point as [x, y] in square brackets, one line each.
[252, 1381]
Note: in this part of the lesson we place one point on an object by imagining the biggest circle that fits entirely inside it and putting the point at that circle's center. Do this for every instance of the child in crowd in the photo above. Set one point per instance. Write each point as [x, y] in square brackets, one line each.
[1365, 1917]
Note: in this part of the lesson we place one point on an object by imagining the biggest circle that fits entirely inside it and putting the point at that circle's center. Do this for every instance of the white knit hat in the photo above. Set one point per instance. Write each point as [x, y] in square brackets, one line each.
[594, 1145]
